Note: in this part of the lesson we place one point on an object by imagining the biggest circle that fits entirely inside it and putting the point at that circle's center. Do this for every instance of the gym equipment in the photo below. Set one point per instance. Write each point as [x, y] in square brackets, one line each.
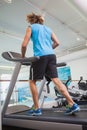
[82, 84]
[50, 119]
[76, 89]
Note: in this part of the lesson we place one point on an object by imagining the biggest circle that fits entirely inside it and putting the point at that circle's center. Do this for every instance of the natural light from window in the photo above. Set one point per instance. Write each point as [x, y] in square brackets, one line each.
[82, 4]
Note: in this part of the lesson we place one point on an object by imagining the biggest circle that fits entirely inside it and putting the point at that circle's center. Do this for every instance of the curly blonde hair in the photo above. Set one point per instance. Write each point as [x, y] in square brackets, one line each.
[33, 18]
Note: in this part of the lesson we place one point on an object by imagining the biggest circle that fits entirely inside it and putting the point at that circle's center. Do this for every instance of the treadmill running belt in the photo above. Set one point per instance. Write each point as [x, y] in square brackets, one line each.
[54, 115]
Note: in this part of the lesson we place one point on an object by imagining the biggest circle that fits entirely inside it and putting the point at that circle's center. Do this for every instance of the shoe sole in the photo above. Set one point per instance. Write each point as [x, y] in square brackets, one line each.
[73, 112]
[76, 110]
[37, 114]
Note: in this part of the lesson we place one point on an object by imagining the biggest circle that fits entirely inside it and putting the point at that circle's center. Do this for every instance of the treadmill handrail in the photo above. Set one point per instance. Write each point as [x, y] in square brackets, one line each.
[61, 64]
[16, 57]
[10, 54]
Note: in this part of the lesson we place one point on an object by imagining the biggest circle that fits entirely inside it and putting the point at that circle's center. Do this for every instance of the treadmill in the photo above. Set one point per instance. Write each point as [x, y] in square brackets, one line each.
[51, 118]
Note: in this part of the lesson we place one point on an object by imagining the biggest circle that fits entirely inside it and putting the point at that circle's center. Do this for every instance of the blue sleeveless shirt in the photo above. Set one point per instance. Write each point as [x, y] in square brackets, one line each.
[41, 38]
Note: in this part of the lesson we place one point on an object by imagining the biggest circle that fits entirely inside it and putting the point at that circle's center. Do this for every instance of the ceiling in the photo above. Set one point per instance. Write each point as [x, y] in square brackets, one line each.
[65, 17]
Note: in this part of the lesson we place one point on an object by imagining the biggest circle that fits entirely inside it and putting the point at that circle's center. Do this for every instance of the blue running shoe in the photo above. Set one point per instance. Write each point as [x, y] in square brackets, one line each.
[34, 112]
[31, 112]
[71, 110]
[37, 112]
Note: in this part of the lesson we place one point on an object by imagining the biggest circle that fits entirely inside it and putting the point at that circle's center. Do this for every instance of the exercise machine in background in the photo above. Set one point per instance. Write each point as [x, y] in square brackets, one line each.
[77, 89]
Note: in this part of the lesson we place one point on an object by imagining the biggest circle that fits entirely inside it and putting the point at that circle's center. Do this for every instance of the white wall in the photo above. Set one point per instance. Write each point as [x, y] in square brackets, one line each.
[77, 62]
[78, 68]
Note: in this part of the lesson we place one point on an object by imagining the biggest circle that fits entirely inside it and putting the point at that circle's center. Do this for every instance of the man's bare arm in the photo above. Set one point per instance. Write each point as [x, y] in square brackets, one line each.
[55, 41]
[25, 41]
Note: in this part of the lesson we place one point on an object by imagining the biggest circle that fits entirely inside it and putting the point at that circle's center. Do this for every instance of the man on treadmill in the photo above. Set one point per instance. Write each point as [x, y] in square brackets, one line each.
[44, 42]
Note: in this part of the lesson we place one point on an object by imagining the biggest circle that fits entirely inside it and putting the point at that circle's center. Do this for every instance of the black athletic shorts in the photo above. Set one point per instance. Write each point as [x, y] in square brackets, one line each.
[46, 65]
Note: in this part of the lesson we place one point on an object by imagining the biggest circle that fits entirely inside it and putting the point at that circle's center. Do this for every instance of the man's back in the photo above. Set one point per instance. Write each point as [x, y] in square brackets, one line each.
[41, 37]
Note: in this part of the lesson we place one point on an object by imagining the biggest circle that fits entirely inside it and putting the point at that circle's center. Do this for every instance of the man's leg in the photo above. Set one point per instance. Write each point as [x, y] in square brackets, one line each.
[63, 90]
[34, 93]
[36, 110]
[73, 107]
